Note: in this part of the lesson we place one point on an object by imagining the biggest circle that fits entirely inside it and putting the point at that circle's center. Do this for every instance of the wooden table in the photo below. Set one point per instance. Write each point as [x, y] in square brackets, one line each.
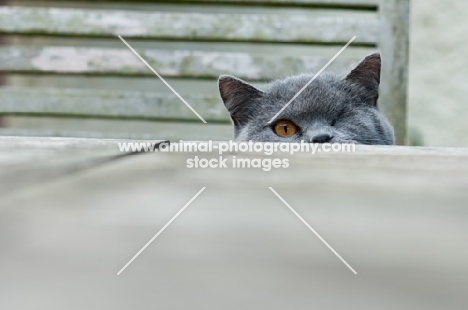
[74, 211]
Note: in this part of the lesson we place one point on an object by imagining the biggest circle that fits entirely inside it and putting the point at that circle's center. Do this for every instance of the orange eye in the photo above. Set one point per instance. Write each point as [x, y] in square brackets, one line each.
[285, 129]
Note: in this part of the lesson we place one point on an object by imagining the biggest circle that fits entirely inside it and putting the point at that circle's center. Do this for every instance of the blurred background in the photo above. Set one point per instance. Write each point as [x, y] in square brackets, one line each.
[437, 104]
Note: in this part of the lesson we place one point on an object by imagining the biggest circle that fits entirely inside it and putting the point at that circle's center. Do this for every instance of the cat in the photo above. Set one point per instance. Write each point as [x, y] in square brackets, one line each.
[329, 110]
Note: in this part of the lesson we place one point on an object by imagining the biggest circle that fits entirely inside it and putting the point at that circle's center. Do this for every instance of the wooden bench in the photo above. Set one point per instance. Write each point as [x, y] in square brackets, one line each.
[64, 64]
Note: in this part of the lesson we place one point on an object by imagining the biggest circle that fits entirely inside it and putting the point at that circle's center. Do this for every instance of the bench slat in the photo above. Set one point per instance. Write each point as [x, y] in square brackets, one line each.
[109, 104]
[335, 29]
[372, 4]
[349, 3]
[114, 128]
[187, 64]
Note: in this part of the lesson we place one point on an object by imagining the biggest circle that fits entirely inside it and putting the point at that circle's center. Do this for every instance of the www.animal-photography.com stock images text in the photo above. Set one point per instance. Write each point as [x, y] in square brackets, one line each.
[239, 154]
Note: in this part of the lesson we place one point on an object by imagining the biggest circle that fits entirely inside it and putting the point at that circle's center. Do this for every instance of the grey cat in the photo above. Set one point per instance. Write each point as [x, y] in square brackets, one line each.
[330, 109]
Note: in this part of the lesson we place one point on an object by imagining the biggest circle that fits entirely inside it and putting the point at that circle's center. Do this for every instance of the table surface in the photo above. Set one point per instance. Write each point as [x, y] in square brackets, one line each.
[73, 212]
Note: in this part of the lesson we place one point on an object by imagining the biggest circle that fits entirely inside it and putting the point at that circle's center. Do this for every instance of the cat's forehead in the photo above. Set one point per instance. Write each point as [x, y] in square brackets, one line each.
[325, 84]
[323, 95]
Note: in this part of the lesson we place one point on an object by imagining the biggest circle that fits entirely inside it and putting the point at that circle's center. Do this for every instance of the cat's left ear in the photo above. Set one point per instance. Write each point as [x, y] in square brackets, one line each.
[237, 96]
[367, 74]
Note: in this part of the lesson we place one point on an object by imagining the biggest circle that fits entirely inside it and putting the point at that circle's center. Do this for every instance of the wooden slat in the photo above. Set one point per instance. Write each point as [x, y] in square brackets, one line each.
[189, 26]
[344, 3]
[114, 129]
[353, 4]
[183, 132]
[73, 145]
[109, 104]
[191, 64]
[394, 44]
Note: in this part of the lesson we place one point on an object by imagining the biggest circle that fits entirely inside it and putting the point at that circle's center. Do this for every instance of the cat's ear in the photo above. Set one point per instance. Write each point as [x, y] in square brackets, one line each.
[237, 95]
[367, 74]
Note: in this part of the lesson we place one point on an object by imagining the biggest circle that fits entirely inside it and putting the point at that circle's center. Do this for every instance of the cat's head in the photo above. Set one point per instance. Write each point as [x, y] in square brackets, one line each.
[330, 109]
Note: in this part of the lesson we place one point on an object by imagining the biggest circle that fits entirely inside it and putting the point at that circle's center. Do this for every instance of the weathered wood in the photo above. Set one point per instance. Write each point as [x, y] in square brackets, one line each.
[86, 145]
[394, 46]
[401, 229]
[189, 26]
[344, 4]
[26, 162]
[2, 76]
[37, 126]
[188, 64]
[109, 104]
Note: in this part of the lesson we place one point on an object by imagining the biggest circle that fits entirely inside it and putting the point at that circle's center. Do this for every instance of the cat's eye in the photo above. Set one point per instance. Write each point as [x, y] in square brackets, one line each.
[285, 129]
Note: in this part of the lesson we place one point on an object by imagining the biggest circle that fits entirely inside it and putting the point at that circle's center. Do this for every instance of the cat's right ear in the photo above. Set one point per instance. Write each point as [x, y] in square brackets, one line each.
[367, 75]
[237, 95]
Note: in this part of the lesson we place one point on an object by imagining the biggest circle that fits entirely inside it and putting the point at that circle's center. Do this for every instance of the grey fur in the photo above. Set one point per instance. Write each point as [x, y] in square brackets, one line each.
[344, 108]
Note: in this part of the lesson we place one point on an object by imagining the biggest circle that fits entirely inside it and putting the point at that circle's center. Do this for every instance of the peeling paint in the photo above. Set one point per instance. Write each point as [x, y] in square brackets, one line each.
[168, 63]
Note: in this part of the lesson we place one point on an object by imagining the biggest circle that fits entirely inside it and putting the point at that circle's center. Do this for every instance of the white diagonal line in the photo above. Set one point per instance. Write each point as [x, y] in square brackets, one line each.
[313, 230]
[313, 79]
[163, 80]
[162, 229]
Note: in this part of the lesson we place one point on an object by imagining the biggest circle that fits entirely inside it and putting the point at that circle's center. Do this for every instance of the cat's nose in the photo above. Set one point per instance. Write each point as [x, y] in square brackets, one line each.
[322, 138]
